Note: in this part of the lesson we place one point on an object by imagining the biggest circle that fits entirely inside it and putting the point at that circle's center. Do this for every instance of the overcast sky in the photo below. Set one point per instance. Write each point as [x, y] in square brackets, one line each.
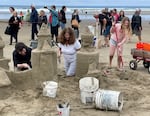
[78, 2]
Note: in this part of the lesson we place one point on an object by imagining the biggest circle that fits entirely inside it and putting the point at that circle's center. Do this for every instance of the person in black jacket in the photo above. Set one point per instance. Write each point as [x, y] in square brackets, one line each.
[34, 22]
[62, 17]
[136, 23]
[15, 25]
[101, 21]
[22, 57]
[42, 18]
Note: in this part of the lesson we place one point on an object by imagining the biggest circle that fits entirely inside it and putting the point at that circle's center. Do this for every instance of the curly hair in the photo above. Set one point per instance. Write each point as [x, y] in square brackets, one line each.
[62, 38]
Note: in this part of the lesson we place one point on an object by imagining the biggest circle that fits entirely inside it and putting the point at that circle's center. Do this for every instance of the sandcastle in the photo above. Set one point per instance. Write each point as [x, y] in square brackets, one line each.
[44, 64]
[3, 61]
[4, 80]
[87, 57]
[44, 58]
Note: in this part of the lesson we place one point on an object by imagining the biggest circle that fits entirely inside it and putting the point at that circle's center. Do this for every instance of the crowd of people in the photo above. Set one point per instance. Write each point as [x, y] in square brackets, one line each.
[68, 43]
[115, 27]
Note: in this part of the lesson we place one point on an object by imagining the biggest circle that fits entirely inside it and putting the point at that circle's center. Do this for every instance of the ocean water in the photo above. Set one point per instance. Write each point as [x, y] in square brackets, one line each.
[5, 14]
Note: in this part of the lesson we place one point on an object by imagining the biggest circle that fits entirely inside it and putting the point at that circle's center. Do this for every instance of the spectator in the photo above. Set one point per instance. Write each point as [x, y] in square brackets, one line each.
[15, 25]
[115, 14]
[75, 15]
[63, 17]
[34, 22]
[54, 23]
[42, 18]
[69, 46]
[107, 22]
[121, 15]
[21, 15]
[27, 17]
[22, 57]
[101, 21]
[11, 9]
[137, 24]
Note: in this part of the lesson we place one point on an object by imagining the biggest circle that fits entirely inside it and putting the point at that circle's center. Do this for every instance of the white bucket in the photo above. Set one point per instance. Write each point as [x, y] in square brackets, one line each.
[109, 100]
[63, 109]
[88, 86]
[50, 89]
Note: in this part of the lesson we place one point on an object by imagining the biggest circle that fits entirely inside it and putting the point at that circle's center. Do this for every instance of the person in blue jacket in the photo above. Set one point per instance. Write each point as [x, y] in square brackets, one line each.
[55, 22]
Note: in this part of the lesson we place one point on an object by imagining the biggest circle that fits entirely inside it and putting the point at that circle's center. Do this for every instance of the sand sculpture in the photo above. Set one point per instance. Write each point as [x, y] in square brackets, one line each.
[44, 58]
[4, 80]
[44, 65]
[87, 57]
[3, 61]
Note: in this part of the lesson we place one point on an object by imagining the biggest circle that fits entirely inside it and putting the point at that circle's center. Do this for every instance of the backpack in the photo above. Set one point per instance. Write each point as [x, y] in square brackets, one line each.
[59, 16]
[50, 18]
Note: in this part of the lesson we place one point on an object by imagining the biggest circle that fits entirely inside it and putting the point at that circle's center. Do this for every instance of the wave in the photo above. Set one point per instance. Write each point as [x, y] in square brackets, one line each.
[84, 12]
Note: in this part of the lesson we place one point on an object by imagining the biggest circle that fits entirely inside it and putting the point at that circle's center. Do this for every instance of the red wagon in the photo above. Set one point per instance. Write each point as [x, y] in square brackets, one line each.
[140, 53]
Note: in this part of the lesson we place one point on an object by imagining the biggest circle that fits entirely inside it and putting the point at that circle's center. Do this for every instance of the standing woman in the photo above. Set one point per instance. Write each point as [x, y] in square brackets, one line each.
[120, 33]
[11, 9]
[75, 15]
[69, 46]
[15, 25]
[42, 18]
[54, 23]
[121, 15]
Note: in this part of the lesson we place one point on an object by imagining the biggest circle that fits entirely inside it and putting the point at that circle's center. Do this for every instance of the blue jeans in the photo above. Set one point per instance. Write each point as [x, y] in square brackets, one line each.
[62, 25]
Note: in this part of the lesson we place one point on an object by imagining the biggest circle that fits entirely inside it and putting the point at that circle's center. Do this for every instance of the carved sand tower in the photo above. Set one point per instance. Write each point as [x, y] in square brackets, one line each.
[3, 61]
[44, 58]
[87, 57]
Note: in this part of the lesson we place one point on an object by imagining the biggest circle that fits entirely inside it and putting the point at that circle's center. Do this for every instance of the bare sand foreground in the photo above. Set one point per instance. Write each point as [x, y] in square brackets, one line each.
[135, 85]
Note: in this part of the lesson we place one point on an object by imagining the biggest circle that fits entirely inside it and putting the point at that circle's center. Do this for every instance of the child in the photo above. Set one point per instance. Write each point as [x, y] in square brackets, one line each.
[69, 46]
[120, 33]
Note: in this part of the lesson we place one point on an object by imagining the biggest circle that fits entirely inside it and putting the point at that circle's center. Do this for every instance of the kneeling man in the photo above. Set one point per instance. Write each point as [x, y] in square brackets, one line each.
[22, 57]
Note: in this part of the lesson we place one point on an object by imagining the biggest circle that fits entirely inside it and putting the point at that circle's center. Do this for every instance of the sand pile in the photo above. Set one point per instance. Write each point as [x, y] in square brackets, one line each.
[135, 88]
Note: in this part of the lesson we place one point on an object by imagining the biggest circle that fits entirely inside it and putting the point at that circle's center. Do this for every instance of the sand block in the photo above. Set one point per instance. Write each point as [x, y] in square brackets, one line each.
[4, 80]
[44, 65]
[21, 79]
[86, 62]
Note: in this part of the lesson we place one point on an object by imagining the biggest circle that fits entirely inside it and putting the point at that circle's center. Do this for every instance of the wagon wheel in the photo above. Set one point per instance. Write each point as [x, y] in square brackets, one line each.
[149, 67]
[146, 64]
[133, 64]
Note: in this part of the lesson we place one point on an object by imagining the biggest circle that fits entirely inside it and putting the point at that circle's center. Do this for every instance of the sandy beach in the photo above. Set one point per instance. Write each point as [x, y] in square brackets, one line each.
[134, 85]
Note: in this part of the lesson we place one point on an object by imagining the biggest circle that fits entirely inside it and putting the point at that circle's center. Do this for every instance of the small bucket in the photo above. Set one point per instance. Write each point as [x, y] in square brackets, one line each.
[109, 100]
[88, 87]
[63, 109]
[50, 89]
